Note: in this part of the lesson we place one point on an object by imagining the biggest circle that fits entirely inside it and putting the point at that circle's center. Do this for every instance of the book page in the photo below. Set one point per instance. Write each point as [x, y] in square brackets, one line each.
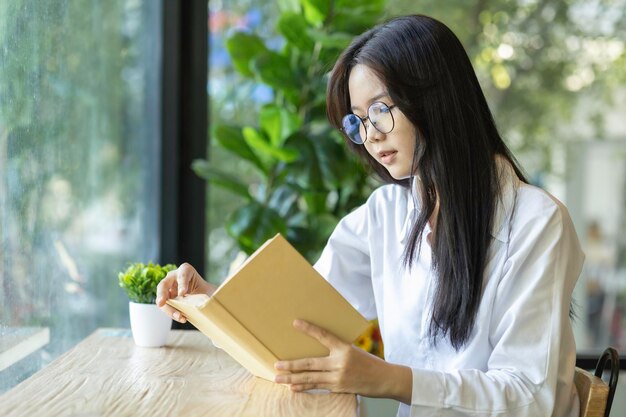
[210, 317]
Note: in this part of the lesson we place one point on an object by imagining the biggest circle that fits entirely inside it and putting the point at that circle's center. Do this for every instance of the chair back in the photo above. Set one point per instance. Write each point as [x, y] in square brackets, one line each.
[596, 396]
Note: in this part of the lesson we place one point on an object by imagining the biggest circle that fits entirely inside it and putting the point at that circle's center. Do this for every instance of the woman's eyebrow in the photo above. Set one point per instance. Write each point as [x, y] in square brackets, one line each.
[371, 100]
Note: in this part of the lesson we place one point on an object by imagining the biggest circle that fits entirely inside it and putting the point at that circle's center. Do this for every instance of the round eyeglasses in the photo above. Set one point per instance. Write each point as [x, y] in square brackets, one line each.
[378, 114]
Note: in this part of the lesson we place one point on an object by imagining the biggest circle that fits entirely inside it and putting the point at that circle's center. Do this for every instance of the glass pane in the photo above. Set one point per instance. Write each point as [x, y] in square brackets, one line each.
[79, 119]
[553, 76]
[233, 99]
[597, 201]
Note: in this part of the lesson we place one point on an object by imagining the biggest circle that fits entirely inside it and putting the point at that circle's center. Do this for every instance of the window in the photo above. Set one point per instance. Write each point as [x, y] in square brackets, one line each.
[235, 99]
[596, 190]
[551, 74]
[79, 159]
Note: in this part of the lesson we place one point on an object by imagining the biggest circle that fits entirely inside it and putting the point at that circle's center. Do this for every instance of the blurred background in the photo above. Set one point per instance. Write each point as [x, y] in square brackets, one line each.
[167, 131]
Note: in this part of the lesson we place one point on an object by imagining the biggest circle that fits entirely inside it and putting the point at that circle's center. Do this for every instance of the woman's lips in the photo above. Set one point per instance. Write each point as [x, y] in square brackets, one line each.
[387, 157]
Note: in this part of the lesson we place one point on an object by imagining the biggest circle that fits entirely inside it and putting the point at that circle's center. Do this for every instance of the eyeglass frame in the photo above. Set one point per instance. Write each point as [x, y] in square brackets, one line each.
[363, 119]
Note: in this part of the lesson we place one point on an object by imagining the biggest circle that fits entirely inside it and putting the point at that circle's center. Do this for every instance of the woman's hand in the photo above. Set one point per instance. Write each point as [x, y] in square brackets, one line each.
[181, 281]
[347, 369]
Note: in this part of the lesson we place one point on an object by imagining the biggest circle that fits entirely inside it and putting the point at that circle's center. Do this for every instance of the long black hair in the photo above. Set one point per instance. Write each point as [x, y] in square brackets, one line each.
[431, 80]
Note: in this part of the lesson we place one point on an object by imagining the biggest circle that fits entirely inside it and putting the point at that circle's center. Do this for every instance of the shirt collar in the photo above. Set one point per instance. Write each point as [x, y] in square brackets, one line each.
[508, 184]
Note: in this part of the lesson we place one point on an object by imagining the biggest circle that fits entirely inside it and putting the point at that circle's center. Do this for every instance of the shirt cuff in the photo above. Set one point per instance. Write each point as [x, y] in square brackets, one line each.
[429, 388]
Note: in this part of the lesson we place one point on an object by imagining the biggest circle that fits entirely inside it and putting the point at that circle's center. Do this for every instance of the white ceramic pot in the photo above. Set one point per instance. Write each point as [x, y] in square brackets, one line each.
[150, 325]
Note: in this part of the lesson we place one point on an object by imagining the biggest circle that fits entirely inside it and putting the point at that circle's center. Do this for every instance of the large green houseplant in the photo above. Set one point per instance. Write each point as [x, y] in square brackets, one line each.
[305, 179]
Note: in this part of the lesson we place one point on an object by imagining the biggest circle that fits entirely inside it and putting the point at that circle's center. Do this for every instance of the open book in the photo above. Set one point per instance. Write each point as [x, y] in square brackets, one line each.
[251, 314]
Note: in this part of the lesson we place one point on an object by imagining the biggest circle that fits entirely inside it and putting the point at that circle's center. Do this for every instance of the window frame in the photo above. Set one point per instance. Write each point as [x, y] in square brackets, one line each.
[184, 134]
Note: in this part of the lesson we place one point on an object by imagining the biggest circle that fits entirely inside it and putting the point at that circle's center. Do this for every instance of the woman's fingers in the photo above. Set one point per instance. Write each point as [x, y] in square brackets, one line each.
[176, 283]
[179, 282]
[307, 387]
[174, 314]
[185, 272]
[306, 364]
[166, 288]
[322, 335]
[310, 380]
[314, 373]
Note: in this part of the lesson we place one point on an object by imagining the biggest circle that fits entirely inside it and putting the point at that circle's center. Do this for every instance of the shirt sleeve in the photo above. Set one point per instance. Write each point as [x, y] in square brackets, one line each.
[345, 262]
[529, 331]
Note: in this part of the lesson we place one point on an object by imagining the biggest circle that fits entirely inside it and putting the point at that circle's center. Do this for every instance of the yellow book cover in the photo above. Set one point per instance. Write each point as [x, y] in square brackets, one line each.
[251, 314]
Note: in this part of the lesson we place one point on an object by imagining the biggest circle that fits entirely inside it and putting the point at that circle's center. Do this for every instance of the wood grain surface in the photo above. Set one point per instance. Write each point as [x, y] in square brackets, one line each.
[107, 375]
[592, 392]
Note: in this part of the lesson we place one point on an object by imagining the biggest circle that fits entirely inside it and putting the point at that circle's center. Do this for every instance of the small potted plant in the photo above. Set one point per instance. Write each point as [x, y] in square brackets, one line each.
[150, 326]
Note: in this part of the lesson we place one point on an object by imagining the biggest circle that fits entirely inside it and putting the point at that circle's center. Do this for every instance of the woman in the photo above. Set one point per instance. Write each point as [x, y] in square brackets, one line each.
[469, 269]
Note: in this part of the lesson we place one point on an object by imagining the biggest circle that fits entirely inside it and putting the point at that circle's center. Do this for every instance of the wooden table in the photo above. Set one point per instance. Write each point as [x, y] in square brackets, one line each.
[107, 375]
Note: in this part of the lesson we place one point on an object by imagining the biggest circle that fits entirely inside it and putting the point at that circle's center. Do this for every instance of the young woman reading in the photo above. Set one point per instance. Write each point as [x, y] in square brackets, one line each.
[469, 269]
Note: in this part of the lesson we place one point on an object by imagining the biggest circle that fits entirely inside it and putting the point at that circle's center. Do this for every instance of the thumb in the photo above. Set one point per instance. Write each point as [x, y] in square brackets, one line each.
[182, 285]
[183, 277]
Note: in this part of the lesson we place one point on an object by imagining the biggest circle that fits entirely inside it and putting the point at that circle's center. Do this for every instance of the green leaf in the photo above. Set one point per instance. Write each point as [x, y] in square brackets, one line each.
[309, 237]
[315, 11]
[203, 169]
[243, 48]
[374, 5]
[356, 18]
[259, 143]
[325, 224]
[271, 123]
[252, 224]
[278, 123]
[331, 158]
[316, 202]
[289, 6]
[305, 172]
[284, 200]
[275, 70]
[140, 281]
[304, 239]
[231, 139]
[335, 40]
[294, 28]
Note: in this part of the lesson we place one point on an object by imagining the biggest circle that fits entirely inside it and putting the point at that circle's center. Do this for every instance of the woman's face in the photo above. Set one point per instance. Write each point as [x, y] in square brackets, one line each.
[393, 150]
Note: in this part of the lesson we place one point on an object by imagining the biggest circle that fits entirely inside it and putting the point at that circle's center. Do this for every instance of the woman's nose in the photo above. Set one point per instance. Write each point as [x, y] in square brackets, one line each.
[374, 134]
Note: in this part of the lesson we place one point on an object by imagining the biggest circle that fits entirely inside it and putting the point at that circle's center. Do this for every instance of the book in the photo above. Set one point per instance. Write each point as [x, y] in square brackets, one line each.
[250, 316]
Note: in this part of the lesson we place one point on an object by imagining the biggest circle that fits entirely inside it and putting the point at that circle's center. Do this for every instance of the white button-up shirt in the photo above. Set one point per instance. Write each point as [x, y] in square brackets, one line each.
[520, 358]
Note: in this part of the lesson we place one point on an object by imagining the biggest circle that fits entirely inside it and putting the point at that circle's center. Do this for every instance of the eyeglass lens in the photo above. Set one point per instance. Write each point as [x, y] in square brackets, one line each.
[378, 114]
